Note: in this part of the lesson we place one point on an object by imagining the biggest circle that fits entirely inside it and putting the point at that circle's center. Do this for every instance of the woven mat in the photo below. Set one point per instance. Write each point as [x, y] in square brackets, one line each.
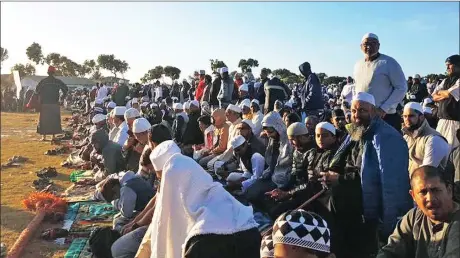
[78, 193]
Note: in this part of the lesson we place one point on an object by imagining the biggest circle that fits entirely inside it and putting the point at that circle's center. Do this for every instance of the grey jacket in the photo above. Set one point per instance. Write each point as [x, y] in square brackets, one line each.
[226, 91]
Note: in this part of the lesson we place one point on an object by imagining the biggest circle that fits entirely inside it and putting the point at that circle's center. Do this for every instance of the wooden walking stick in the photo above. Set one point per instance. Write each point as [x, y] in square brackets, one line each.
[314, 197]
[44, 204]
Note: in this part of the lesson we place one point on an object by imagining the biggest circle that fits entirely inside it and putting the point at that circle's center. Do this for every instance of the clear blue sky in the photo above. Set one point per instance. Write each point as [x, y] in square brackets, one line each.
[419, 35]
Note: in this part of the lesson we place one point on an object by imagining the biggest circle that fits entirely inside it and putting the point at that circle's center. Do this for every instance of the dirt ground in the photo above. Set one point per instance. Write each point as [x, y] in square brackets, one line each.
[19, 137]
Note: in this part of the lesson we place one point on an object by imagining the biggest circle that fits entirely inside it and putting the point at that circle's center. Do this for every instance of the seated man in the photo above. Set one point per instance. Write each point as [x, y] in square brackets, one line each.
[300, 233]
[245, 129]
[134, 231]
[119, 132]
[192, 134]
[221, 131]
[279, 159]
[339, 122]
[128, 194]
[210, 139]
[306, 167]
[432, 229]
[112, 159]
[131, 148]
[251, 164]
[426, 145]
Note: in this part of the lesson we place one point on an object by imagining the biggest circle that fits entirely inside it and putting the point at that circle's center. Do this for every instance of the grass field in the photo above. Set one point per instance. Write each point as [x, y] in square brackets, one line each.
[19, 137]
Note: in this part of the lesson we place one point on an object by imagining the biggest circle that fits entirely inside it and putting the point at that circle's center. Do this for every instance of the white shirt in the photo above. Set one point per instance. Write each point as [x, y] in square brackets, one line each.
[257, 163]
[102, 92]
[436, 149]
[348, 92]
[122, 134]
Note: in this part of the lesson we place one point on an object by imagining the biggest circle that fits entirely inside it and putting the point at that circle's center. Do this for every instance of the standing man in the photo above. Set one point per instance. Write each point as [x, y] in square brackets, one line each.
[348, 90]
[447, 96]
[226, 89]
[120, 94]
[382, 77]
[50, 112]
[260, 92]
[102, 91]
[201, 85]
[311, 96]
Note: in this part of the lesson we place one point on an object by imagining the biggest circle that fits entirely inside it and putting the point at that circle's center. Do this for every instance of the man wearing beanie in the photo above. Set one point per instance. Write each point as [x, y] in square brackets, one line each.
[382, 77]
[426, 145]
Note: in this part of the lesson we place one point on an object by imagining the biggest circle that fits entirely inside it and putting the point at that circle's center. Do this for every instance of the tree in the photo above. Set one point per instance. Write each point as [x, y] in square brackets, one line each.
[333, 80]
[3, 54]
[35, 54]
[121, 66]
[269, 71]
[172, 72]
[154, 74]
[96, 75]
[321, 76]
[282, 73]
[216, 64]
[245, 64]
[24, 70]
[111, 64]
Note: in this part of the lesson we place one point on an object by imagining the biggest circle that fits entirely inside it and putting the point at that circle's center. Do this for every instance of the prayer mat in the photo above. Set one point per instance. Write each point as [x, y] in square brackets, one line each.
[77, 175]
[76, 248]
[79, 193]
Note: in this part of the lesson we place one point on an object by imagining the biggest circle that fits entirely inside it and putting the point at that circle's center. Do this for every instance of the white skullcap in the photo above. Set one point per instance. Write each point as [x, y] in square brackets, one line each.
[414, 106]
[248, 122]
[134, 101]
[161, 154]
[234, 108]
[98, 101]
[237, 141]
[326, 125]
[255, 101]
[297, 129]
[141, 125]
[369, 35]
[186, 105]
[131, 113]
[127, 98]
[94, 88]
[111, 104]
[119, 111]
[144, 104]
[245, 102]
[178, 106]
[98, 118]
[427, 101]
[330, 91]
[417, 76]
[364, 96]
[427, 110]
[121, 81]
[145, 99]
[223, 70]
[244, 87]
[195, 103]
[153, 105]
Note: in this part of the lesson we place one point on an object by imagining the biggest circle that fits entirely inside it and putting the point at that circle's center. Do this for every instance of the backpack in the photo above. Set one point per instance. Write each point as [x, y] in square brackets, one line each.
[101, 241]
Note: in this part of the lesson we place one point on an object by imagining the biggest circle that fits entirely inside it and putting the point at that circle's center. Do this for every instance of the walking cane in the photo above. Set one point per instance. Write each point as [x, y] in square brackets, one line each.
[314, 197]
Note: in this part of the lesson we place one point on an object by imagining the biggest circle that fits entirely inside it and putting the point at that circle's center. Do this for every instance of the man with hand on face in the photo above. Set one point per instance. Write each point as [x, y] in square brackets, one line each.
[432, 229]
[382, 77]
[447, 96]
[426, 145]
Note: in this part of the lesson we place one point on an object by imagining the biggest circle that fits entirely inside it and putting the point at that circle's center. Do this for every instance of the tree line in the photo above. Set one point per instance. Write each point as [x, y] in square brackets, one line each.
[91, 68]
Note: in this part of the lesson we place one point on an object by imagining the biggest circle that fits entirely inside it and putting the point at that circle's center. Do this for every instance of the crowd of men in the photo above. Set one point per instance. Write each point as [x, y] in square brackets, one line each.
[196, 171]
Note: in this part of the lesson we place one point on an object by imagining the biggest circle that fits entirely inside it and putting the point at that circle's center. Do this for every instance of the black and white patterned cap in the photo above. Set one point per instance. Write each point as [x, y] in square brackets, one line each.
[304, 229]
[266, 247]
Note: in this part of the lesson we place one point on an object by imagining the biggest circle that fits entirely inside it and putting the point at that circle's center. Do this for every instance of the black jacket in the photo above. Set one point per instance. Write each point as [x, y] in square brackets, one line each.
[275, 89]
[193, 134]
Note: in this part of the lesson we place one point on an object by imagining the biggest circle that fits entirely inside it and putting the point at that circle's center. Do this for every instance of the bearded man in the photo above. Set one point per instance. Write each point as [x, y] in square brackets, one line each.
[376, 157]
[447, 96]
[422, 140]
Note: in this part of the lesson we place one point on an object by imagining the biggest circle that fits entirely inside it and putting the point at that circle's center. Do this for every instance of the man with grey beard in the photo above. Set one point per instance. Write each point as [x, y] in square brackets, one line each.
[376, 156]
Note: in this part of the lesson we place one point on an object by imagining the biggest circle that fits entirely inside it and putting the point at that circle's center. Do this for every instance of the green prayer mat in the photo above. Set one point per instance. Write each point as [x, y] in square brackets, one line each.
[76, 175]
[76, 248]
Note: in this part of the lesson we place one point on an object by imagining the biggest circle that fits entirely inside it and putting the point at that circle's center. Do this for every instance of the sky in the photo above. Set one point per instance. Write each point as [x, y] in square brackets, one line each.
[419, 35]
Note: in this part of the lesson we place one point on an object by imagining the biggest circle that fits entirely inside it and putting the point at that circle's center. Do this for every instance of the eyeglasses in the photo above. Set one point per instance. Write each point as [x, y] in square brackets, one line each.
[269, 129]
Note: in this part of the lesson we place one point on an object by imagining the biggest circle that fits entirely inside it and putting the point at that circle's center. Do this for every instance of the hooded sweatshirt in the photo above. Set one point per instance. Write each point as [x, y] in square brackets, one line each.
[310, 93]
[280, 169]
[275, 89]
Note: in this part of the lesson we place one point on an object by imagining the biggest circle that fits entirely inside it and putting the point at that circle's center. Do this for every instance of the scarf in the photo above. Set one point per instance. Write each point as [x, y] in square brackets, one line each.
[191, 204]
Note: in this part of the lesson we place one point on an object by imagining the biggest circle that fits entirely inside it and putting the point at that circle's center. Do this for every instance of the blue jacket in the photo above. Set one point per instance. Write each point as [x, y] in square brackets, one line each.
[384, 175]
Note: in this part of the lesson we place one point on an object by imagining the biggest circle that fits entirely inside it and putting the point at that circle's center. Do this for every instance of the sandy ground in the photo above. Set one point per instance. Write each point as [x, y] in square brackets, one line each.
[18, 137]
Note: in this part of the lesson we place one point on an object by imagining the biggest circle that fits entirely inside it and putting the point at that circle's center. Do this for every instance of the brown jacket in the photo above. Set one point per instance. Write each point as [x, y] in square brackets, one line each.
[221, 145]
